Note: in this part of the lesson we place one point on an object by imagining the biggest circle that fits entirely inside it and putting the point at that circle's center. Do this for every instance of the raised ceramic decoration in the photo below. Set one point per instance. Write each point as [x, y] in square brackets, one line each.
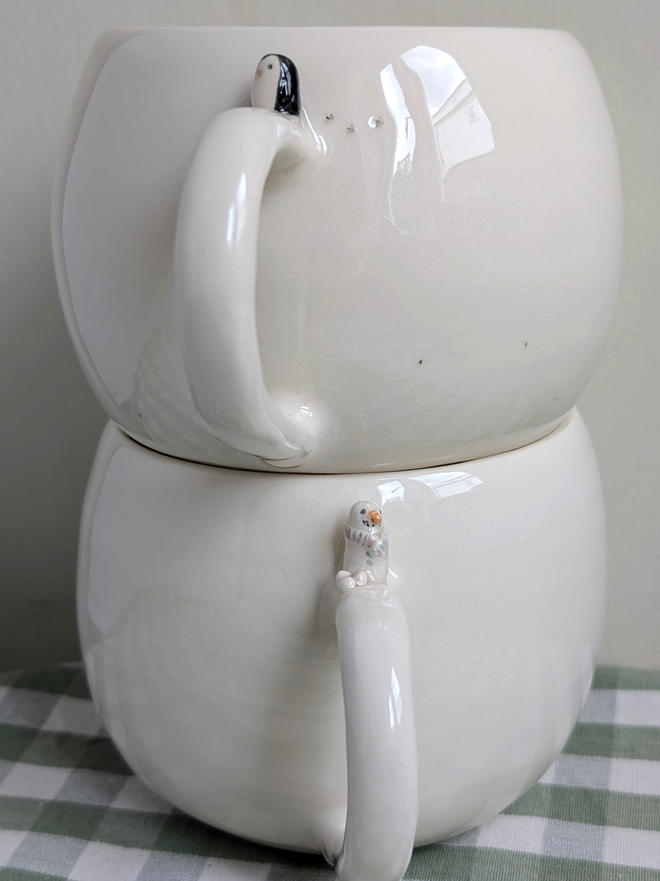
[406, 253]
[275, 85]
[227, 618]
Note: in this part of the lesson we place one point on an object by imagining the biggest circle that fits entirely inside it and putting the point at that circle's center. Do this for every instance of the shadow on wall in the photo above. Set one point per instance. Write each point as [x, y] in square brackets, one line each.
[50, 427]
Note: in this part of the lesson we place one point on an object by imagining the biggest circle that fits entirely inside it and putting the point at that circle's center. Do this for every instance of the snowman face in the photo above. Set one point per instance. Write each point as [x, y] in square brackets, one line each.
[275, 85]
[367, 517]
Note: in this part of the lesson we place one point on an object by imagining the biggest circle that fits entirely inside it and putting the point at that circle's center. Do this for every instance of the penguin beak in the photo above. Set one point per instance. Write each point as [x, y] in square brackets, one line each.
[375, 517]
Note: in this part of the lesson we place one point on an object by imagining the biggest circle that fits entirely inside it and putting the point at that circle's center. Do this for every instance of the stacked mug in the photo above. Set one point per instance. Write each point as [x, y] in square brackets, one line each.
[342, 559]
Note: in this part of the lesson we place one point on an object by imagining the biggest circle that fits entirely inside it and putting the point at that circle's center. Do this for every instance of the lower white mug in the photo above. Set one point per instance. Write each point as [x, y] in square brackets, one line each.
[209, 604]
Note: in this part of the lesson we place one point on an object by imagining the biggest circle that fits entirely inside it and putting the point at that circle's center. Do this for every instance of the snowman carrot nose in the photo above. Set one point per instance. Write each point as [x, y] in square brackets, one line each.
[375, 516]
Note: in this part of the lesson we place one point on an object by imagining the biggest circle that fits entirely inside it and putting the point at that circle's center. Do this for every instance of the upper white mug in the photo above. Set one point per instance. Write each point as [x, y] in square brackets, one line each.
[405, 252]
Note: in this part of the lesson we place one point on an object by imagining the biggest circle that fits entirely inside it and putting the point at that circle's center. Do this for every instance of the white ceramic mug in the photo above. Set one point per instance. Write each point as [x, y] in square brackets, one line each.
[424, 275]
[208, 604]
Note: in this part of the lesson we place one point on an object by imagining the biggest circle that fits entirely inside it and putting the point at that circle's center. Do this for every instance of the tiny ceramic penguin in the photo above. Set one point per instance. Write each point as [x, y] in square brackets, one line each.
[275, 85]
[366, 548]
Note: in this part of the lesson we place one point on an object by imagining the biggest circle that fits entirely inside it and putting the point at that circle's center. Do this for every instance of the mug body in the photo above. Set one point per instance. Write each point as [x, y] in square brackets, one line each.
[435, 286]
[211, 651]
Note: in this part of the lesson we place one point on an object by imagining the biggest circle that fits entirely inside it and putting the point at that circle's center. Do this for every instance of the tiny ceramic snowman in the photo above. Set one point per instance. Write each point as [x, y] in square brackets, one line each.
[366, 548]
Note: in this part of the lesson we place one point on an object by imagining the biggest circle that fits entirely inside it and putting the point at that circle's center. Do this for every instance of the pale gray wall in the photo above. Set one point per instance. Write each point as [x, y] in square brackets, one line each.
[51, 421]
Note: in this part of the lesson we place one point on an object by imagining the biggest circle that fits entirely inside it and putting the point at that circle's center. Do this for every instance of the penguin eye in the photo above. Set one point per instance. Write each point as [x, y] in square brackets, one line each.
[363, 511]
[270, 67]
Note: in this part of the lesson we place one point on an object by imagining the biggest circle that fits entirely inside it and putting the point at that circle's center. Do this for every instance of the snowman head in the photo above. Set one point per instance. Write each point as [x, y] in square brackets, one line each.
[275, 85]
[366, 517]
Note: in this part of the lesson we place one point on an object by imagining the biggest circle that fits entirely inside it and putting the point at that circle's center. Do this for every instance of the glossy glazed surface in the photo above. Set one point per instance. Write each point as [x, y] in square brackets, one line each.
[437, 288]
[207, 603]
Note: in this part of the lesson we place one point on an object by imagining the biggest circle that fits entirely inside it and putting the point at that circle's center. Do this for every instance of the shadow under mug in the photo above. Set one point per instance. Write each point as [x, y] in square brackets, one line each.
[417, 268]
[235, 680]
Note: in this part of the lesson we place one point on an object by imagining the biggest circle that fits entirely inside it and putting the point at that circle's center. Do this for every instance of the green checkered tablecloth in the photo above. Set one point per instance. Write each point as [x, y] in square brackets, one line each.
[70, 807]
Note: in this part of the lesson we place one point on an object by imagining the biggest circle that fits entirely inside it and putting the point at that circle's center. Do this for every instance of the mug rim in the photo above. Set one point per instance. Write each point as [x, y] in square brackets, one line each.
[554, 431]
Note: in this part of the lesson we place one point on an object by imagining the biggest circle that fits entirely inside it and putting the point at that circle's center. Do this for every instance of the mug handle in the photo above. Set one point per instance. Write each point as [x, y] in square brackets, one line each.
[215, 268]
[381, 745]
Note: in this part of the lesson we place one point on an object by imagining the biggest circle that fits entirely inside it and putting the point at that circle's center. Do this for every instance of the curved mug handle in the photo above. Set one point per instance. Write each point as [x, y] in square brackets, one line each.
[215, 267]
[381, 745]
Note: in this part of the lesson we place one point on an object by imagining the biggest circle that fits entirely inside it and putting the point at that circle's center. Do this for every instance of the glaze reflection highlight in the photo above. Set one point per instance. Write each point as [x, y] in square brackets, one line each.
[429, 85]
